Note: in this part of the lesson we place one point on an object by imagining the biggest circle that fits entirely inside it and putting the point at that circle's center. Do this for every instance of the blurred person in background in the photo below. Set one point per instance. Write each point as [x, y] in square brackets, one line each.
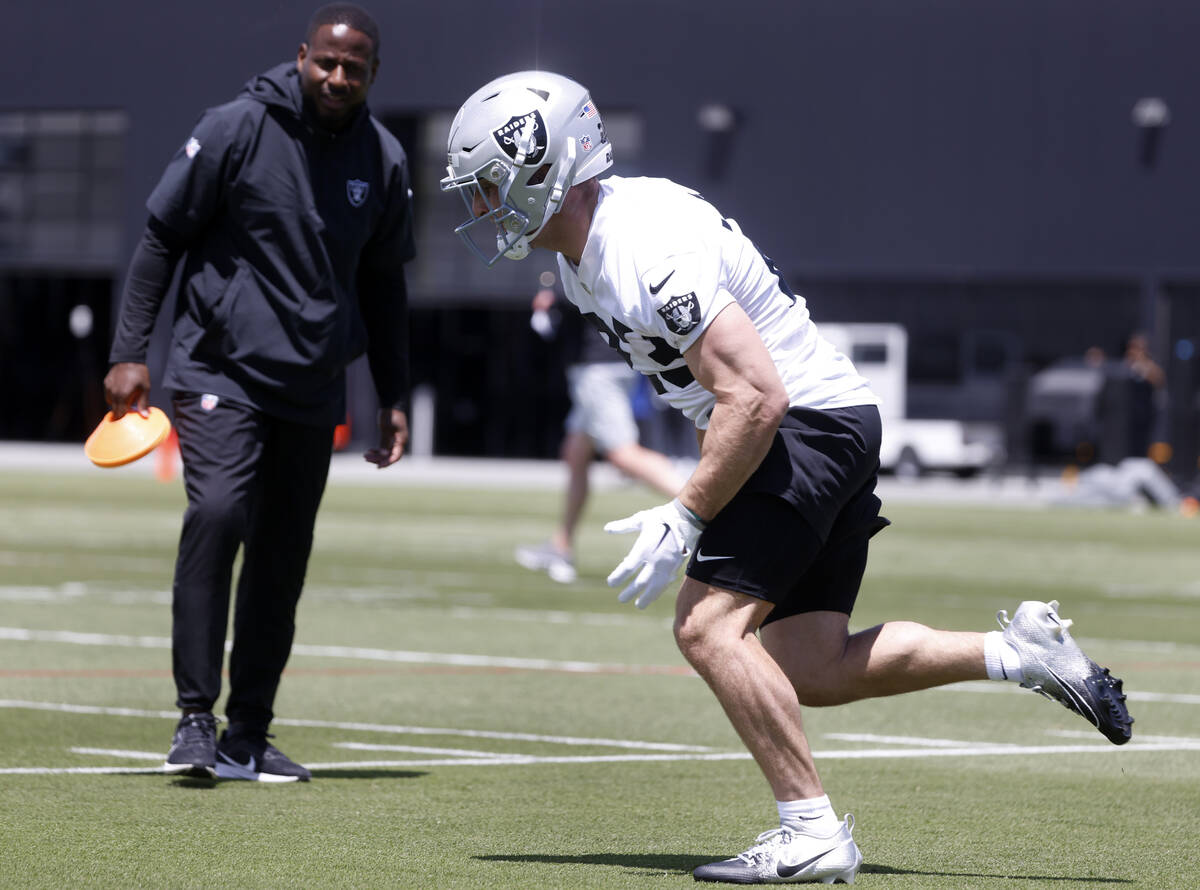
[600, 422]
[1147, 405]
[774, 522]
[290, 211]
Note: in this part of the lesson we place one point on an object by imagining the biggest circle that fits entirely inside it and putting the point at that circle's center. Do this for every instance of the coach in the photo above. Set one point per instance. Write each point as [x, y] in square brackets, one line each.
[290, 211]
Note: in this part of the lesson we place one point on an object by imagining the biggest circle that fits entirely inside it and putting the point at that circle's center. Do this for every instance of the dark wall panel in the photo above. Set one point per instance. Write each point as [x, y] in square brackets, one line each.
[925, 134]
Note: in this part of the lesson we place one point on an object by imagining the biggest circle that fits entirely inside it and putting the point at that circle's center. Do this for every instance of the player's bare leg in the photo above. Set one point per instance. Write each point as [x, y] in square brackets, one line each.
[577, 453]
[715, 630]
[556, 557]
[827, 665]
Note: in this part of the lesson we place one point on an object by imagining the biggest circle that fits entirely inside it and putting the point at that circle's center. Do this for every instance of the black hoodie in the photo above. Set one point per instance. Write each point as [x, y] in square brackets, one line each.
[294, 242]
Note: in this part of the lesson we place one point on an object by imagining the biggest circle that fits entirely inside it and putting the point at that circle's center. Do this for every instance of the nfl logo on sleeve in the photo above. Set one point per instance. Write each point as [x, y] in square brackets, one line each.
[681, 313]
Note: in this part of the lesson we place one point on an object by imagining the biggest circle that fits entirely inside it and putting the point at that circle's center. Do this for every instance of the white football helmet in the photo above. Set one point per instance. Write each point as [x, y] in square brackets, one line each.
[532, 135]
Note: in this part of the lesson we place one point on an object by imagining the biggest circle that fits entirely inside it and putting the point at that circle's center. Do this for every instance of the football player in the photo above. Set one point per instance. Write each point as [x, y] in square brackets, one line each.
[774, 522]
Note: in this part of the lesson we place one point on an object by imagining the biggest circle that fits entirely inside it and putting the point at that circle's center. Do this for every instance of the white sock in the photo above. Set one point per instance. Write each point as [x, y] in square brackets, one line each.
[813, 816]
[1000, 658]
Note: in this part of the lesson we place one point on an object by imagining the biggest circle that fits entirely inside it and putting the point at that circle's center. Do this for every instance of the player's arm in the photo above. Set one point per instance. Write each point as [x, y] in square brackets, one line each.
[731, 361]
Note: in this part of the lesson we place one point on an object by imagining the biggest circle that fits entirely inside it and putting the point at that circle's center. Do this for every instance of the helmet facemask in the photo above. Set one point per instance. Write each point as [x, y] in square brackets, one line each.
[542, 190]
[509, 226]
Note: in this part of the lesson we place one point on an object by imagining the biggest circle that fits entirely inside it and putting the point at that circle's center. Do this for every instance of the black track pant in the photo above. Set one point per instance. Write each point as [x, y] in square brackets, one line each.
[252, 481]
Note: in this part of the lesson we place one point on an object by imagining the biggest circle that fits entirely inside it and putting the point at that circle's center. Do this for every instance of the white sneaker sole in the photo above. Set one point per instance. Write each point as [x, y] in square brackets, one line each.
[194, 770]
[230, 771]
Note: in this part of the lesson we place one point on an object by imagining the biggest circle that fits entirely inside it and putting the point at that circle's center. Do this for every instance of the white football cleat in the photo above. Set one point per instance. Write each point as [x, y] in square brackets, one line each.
[784, 856]
[1054, 666]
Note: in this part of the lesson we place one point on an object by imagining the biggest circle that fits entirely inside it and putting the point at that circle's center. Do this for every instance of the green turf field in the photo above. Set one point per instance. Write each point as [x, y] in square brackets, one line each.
[471, 724]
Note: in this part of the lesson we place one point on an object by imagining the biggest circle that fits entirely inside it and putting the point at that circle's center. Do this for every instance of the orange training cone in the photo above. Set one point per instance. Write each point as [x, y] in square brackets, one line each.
[115, 443]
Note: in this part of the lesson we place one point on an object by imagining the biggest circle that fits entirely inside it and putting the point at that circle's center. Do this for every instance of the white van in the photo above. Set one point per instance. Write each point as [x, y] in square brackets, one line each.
[910, 447]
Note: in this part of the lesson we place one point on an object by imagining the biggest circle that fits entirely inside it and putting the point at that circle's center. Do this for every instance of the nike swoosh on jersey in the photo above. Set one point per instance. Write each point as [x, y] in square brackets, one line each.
[661, 284]
[701, 557]
[786, 871]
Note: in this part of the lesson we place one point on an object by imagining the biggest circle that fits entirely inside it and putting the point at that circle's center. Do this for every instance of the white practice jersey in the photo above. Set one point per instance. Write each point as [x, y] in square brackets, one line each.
[661, 263]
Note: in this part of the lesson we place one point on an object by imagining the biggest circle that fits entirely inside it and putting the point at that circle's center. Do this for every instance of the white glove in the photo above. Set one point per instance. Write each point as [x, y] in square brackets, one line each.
[666, 537]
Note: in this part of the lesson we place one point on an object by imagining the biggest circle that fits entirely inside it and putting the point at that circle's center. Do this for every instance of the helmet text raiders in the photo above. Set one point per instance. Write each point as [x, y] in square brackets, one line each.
[532, 135]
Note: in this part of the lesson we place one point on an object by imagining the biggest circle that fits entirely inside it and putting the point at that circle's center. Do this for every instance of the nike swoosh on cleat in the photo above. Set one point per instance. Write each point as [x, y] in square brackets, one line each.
[787, 871]
[1080, 704]
[654, 290]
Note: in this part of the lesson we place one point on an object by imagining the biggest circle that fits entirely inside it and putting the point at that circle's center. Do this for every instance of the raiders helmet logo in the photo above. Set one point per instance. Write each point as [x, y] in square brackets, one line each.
[681, 313]
[508, 137]
[356, 191]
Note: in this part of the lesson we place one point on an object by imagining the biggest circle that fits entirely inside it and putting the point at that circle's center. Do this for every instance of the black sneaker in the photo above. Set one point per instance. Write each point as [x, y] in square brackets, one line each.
[248, 755]
[194, 747]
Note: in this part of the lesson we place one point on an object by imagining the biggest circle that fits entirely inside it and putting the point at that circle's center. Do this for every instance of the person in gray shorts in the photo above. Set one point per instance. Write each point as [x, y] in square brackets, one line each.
[600, 422]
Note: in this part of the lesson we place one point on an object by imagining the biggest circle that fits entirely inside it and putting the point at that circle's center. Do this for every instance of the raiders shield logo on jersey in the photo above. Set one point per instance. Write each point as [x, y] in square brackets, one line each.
[356, 191]
[507, 137]
[682, 313]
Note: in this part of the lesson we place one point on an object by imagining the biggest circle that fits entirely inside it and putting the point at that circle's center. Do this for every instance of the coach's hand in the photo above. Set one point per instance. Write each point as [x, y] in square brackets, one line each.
[393, 437]
[127, 388]
[666, 537]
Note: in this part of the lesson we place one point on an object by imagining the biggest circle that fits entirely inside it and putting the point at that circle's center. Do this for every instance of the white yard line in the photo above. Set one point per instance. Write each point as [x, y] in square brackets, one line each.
[462, 660]
[371, 727]
[491, 661]
[80, 771]
[529, 760]
[76, 638]
[982, 750]
[401, 656]
[1141, 738]
[990, 686]
[65, 708]
[902, 740]
[416, 749]
[118, 752]
[918, 747]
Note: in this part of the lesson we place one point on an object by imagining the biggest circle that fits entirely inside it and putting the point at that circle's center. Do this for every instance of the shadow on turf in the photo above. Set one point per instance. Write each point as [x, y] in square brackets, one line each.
[649, 861]
[660, 862]
[888, 870]
[367, 774]
[190, 782]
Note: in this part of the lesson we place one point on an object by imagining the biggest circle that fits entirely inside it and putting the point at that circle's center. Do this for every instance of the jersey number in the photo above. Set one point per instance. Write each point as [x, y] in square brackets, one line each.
[663, 353]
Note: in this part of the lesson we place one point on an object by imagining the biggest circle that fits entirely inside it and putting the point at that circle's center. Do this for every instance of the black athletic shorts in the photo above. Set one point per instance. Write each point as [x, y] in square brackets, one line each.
[796, 533]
